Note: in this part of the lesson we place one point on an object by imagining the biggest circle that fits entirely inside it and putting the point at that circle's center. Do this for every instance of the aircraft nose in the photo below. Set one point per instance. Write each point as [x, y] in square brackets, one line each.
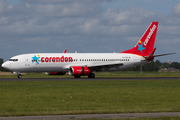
[5, 65]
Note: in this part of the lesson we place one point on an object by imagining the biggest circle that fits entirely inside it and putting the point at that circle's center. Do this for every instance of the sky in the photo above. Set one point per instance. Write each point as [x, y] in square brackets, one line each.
[86, 26]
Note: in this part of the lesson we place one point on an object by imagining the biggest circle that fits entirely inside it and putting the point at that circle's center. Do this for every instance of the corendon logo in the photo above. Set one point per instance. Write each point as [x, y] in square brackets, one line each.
[56, 59]
[149, 35]
[35, 59]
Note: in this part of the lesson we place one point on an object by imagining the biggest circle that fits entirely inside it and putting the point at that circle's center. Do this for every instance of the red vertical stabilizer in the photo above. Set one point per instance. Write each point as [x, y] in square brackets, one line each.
[145, 45]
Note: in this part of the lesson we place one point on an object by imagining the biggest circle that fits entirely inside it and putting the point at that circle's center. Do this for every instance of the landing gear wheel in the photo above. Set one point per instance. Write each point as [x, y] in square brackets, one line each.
[92, 75]
[19, 76]
[77, 76]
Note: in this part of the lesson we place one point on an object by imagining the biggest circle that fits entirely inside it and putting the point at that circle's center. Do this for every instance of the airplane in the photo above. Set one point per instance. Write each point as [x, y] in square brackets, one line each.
[85, 64]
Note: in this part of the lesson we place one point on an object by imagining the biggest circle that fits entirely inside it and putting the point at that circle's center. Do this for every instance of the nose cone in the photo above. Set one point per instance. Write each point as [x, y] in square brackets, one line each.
[5, 65]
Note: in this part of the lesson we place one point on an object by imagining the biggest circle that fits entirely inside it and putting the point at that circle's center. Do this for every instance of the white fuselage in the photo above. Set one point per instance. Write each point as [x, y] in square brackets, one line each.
[60, 62]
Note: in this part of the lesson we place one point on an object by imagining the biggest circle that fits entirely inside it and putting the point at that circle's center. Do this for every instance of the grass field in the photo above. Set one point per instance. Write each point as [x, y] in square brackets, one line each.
[160, 118]
[19, 98]
[98, 74]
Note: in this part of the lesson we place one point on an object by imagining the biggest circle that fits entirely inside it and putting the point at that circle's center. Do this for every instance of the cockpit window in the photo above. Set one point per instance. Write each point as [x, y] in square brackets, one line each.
[15, 60]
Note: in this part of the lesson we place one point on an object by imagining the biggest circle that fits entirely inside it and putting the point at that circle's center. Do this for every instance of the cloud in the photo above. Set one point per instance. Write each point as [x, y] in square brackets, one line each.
[64, 1]
[69, 10]
[81, 25]
[69, 18]
[176, 10]
[127, 16]
[3, 6]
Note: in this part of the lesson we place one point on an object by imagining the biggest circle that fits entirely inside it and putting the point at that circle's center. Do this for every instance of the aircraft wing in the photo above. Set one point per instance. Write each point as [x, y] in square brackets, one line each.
[102, 67]
[99, 67]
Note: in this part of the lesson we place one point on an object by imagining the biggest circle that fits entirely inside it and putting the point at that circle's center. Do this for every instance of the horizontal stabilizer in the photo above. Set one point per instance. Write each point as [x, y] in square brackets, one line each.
[164, 54]
[151, 56]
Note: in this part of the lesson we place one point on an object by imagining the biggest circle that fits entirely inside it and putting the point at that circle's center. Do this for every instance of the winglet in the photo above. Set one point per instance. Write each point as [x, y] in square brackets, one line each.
[65, 50]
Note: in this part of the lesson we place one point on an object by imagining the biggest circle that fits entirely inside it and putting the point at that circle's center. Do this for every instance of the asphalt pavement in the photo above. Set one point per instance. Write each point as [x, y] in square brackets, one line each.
[95, 116]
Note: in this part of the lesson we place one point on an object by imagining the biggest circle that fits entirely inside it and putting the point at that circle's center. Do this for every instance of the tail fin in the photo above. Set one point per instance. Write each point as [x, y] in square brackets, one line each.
[145, 45]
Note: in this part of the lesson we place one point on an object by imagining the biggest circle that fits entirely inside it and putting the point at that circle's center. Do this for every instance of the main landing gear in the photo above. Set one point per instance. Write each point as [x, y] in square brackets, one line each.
[19, 76]
[77, 76]
[91, 75]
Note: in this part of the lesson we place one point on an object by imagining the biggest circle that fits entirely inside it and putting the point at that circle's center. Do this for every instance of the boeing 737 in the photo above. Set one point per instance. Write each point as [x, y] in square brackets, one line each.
[85, 64]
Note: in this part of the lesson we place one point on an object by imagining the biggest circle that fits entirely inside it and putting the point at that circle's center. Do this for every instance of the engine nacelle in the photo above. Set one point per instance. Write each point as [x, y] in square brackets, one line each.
[79, 71]
[55, 73]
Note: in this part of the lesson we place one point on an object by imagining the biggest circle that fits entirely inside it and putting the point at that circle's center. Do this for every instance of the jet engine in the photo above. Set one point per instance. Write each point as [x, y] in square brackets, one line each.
[79, 71]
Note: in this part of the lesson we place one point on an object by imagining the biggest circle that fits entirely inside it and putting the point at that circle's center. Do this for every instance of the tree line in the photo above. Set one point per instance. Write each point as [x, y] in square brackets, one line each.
[1, 62]
[151, 66]
[155, 66]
